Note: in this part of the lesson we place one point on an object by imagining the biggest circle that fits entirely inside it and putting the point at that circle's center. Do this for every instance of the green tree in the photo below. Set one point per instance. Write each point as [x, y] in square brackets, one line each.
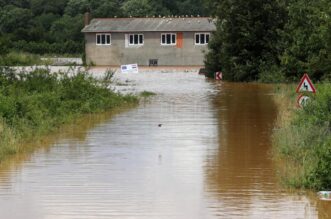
[4, 45]
[17, 3]
[12, 18]
[307, 39]
[191, 7]
[246, 38]
[3, 3]
[138, 8]
[75, 7]
[45, 6]
[46, 20]
[106, 8]
[67, 28]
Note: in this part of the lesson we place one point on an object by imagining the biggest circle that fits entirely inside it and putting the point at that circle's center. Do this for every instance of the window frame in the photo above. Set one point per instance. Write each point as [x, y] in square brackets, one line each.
[100, 43]
[133, 35]
[200, 39]
[171, 35]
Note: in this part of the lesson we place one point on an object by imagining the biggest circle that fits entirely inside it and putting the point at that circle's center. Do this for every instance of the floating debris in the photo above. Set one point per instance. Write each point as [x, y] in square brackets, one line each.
[324, 195]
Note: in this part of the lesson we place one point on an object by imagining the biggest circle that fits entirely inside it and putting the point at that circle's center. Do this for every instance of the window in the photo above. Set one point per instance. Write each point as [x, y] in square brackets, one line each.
[103, 39]
[201, 38]
[153, 62]
[168, 39]
[136, 39]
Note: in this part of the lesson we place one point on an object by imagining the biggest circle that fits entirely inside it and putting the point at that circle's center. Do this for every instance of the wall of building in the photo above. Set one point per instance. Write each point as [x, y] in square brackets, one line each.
[118, 53]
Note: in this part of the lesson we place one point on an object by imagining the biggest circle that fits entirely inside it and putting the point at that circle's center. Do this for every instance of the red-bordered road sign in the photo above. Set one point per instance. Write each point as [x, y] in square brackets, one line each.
[218, 75]
[302, 100]
[305, 85]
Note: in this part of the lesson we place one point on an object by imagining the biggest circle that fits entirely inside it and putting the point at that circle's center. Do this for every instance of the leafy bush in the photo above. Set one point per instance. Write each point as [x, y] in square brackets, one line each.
[304, 143]
[19, 59]
[37, 102]
[67, 47]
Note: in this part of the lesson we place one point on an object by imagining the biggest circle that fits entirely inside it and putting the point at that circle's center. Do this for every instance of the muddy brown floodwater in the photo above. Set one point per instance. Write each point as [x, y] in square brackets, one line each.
[198, 149]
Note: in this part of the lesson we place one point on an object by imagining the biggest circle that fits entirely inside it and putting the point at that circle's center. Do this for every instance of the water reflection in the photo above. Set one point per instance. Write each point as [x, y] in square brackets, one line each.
[240, 173]
[73, 134]
[208, 159]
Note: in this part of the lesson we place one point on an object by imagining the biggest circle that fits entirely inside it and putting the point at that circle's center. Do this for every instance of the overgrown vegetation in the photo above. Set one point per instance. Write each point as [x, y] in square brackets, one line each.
[271, 40]
[21, 59]
[35, 103]
[302, 142]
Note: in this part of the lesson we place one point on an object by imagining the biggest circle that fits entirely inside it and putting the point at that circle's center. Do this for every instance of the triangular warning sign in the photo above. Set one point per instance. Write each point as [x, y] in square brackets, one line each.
[305, 85]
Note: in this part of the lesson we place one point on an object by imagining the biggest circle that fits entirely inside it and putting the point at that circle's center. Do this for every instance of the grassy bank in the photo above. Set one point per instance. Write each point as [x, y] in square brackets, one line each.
[302, 139]
[21, 59]
[38, 102]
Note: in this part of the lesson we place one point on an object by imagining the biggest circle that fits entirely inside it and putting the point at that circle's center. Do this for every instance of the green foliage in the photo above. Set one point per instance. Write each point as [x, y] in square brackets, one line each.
[19, 59]
[68, 47]
[307, 39]
[138, 8]
[192, 7]
[42, 26]
[67, 28]
[4, 46]
[37, 102]
[271, 73]
[44, 6]
[105, 8]
[76, 7]
[305, 143]
[278, 40]
[246, 36]
[14, 19]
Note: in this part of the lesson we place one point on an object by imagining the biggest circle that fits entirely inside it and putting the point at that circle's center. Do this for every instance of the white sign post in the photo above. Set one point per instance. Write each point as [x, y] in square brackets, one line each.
[130, 68]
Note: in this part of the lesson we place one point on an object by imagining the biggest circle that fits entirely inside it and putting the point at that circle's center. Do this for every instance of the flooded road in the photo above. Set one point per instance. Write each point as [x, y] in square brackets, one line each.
[198, 149]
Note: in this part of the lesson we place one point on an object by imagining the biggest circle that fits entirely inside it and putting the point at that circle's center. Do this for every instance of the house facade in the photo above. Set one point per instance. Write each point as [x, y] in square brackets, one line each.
[148, 41]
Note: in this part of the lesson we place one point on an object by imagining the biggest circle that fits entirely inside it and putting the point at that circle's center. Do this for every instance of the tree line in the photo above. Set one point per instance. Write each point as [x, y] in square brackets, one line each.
[266, 40]
[271, 40]
[42, 26]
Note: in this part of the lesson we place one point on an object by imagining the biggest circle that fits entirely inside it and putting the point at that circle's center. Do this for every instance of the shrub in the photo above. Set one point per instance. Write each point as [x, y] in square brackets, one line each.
[19, 59]
[37, 102]
[304, 143]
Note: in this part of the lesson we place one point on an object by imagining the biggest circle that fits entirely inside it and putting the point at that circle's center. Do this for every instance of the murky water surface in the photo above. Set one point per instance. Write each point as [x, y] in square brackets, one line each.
[199, 149]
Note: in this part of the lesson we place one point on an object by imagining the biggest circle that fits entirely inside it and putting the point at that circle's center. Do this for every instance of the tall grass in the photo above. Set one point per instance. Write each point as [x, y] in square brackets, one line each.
[20, 59]
[35, 103]
[302, 140]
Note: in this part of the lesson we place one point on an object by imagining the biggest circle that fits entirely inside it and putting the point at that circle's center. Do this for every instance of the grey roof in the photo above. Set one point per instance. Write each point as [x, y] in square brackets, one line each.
[150, 24]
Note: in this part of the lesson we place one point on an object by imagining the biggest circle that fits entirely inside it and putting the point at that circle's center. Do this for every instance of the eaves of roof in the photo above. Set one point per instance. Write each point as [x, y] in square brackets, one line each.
[185, 24]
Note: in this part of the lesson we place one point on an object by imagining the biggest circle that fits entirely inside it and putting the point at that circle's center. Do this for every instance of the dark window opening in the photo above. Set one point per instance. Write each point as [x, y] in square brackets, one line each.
[141, 41]
[153, 62]
[131, 39]
[136, 39]
[173, 38]
[168, 39]
[103, 39]
[202, 38]
[98, 39]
